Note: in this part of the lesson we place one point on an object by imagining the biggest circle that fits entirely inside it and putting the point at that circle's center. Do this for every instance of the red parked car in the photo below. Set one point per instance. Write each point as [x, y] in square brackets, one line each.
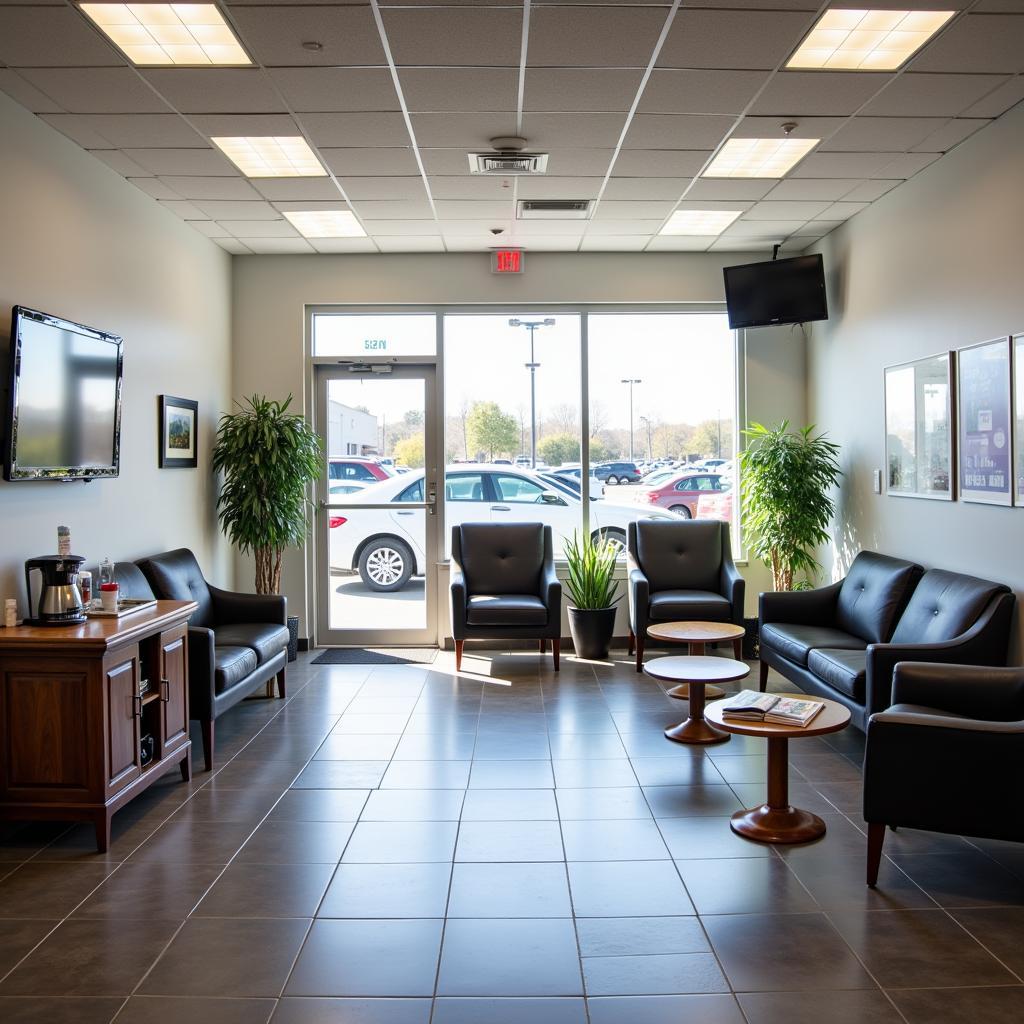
[681, 493]
[355, 469]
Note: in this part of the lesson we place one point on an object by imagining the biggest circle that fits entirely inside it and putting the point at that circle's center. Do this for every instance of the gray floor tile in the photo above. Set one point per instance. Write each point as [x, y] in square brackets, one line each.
[510, 805]
[196, 1010]
[706, 837]
[613, 840]
[609, 804]
[961, 1005]
[593, 773]
[509, 890]
[356, 747]
[640, 936]
[320, 805]
[307, 1010]
[510, 1011]
[413, 805]
[691, 801]
[746, 885]
[674, 1009]
[654, 974]
[426, 775]
[341, 775]
[512, 775]
[509, 841]
[847, 1007]
[266, 890]
[618, 889]
[401, 842]
[388, 890]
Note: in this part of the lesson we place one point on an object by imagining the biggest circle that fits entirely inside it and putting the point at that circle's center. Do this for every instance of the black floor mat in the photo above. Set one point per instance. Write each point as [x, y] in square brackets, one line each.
[377, 656]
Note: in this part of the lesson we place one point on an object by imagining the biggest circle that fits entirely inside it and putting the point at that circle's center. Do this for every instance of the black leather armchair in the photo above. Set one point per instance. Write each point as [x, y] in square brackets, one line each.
[503, 585]
[236, 642]
[947, 756]
[680, 572]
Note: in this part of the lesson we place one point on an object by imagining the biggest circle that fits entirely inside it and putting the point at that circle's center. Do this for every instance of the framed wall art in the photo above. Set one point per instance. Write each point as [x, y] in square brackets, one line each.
[919, 428]
[1018, 417]
[178, 420]
[985, 434]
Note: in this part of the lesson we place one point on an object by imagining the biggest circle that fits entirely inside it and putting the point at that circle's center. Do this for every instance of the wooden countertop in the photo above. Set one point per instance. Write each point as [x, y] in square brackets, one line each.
[97, 634]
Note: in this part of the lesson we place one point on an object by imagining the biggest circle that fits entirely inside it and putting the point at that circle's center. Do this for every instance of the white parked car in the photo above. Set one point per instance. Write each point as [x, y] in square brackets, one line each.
[385, 546]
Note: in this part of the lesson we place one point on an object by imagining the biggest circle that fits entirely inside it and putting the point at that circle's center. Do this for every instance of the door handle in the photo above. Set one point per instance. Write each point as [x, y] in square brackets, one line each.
[501, 508]
[165, 690]
[136, 705]
[431, 498]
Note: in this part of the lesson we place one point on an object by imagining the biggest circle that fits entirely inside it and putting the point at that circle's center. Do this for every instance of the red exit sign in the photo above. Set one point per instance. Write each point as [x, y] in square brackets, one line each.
[507, 261]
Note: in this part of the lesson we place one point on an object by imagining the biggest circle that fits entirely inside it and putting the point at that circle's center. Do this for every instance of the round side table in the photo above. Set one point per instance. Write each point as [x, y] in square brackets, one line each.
[697, 672]
[776, 821]
[697, 635]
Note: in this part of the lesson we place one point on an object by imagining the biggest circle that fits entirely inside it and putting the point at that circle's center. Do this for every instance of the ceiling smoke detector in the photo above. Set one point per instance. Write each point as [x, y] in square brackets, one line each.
[508, 157]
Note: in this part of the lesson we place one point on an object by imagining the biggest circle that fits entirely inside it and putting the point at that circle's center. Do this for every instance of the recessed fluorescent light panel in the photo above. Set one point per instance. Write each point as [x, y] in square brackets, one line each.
[699, 222]
[866, 40]
[267, 156]
[153, 34]
[759, 158]
[326, 224]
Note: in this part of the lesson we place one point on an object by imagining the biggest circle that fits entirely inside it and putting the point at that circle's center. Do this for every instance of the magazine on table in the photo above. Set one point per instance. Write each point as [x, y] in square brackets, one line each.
[752, 706]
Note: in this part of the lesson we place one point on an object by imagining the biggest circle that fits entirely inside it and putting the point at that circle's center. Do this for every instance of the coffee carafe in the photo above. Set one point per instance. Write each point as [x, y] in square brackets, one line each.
[55, 599]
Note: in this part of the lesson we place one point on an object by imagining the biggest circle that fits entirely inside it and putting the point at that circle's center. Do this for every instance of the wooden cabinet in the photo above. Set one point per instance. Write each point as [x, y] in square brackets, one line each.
[74, 714]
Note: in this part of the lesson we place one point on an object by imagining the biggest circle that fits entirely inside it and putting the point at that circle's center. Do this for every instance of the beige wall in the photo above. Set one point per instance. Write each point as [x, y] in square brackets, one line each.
[935, 265]
[80, 242]
[270, 293]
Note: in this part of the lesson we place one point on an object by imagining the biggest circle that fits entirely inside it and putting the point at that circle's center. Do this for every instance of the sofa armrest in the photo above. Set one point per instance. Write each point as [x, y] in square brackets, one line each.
[970, 691]
[733, 588]
[800, 607]
[201, 661]
[551, 590]
[458, 599]
[639, 595]
[232, 608]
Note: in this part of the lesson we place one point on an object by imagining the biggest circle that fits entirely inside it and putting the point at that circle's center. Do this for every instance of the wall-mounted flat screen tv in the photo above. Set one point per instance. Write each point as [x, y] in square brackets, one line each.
[64, 400]
[776, 292]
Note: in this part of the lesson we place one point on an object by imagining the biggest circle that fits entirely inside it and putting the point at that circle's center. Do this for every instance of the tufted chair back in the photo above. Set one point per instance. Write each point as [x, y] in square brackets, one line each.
[944, 605]
[873, 594]
[679, 556]
[500, 558]
[176, 576]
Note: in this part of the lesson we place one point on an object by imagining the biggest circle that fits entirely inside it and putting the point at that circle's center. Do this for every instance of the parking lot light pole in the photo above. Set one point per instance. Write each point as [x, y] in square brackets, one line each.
[646, 420]
[531, 326]
[631, 381]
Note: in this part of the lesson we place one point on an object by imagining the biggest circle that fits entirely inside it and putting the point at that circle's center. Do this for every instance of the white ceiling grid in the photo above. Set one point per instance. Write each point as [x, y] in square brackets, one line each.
[632, 99]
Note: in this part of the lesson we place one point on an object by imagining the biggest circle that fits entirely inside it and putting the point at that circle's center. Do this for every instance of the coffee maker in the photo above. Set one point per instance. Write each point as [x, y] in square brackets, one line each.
[55, 601]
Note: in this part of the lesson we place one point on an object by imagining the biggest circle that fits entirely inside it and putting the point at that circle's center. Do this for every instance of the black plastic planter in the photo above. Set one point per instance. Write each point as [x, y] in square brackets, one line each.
[592, 630]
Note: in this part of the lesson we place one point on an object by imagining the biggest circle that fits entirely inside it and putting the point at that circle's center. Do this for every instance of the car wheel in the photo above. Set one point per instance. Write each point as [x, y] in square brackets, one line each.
[386, 565]
[681, 510]
[613, 536]
[610, 481]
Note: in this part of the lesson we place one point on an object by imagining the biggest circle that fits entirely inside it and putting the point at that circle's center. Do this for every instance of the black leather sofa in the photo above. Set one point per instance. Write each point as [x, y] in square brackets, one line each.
[947, 755]
[843, 641]
[680, 571]
[503, 585]
[236, 642]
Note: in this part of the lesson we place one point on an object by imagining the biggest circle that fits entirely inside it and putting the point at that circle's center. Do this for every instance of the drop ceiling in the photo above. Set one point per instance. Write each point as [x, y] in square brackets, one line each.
[630, 99]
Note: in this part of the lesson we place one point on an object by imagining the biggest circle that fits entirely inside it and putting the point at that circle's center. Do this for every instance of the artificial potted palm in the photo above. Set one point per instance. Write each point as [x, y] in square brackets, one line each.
[786, 477]
[269, 457]
[591, 587]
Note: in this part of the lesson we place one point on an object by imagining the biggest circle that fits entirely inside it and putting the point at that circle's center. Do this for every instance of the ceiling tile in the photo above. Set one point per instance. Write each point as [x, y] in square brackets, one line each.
[181, 161]
[335, 245]
[245, 124]
[763, 228]
[471, 186]
[274, 35]
[296, 189]
[209, 228]
[999, 101]
[814, 188]
[79, 128]
[313, 205]
[48, 37]
[820, 227]
[677, 131]
[410, 243]
[186, 211]
[842, 165]
[729, 188]
[786, 210]
[336, 89]
[216, 90]
[751, 245]
[992, 43]
[384, 188]
[679, 243]
[551, 187]
[155, 188]
[718, 204]
[356, 130]
[151, 131]
[418, 226]
[455, 209]
[807, 127]
[645, 188]
[905, 165]
[869, 191]
[928, 95]
[547, 131]
[232, 245]
[774, 5]
[97, 90]
[116, 160]
[840, 211]
[446, 37]
[950, 134]
[700, 92]
[553, 243]
[581, 88]
[529, 229]
[470, 243]
[237, 210]
[447, 90]
[280, 246]
[378, 161]
[615, 37]
[393, 209]
[613, 243]
[279, 228]
[465, 131]
[624, 227]
[732, 39]
[27, 95]
[798, 243]
[624, 209]
[795, 93]
[877, 134]
[661, 163]
[198, 187]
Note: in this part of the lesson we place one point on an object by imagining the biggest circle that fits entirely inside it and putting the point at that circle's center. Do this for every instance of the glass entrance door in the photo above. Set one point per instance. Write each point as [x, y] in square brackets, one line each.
[378, 529]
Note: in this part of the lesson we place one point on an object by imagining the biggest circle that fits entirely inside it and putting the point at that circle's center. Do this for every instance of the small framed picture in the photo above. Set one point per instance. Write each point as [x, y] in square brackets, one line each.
[986, 428]
[1018, 422]
[178, 418]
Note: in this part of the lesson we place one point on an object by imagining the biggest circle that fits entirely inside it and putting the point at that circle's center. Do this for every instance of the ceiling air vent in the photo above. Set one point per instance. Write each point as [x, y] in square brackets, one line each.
[508, 157]
[553, 209]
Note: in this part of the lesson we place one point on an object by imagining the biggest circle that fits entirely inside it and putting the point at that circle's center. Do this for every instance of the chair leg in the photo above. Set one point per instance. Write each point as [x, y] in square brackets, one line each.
[280, 684]
[630, 642]
[876, 836]
[639, 653]
[764, 676]
[543, 645]
[556, 650]
[459, 645]
[208, 743]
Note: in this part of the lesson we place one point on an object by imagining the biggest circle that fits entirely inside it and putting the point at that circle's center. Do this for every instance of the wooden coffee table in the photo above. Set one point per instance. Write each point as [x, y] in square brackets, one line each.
[698, 672]
[776, 821]
[697, 635]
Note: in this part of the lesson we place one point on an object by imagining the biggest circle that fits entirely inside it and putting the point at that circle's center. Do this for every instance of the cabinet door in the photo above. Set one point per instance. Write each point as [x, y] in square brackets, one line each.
[121, 679]
[173, 683]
